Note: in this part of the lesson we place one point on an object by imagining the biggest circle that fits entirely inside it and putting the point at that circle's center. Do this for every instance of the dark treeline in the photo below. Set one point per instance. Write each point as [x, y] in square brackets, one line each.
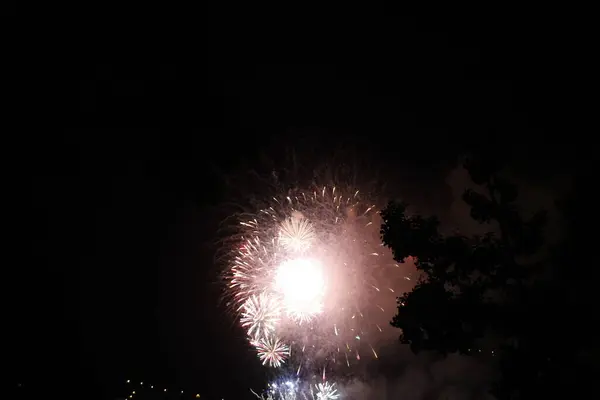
[526, 304]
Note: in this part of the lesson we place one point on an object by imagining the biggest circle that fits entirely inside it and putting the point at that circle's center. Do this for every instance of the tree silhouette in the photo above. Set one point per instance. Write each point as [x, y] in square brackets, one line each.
[482, 291]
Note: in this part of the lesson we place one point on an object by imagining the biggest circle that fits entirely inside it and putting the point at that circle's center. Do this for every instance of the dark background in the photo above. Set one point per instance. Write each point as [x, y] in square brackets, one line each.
[115, 276]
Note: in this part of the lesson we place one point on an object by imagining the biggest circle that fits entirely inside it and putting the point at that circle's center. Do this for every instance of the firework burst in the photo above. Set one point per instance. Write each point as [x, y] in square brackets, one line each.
[326, 391]
[301, 286]
[287, 390]
[297, 233]
[271, 350]
[260, 315]
[318, 256]
[296, 389]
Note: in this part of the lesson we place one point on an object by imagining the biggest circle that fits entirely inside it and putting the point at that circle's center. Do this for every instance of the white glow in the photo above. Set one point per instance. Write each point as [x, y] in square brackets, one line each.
[301, 283]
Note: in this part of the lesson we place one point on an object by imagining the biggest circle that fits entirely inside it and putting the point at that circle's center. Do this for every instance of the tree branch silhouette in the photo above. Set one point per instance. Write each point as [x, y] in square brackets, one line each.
[472, 287]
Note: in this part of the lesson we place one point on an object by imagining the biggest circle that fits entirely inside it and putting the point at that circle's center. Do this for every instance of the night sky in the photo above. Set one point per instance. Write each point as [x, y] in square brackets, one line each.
[126, 173]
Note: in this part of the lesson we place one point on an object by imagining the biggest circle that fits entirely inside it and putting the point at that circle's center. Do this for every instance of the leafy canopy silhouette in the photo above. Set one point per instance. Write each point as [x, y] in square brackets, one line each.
[474, 291]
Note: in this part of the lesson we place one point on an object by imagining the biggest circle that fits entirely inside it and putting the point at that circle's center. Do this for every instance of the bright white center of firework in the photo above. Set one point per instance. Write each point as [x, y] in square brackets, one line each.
[301, 283]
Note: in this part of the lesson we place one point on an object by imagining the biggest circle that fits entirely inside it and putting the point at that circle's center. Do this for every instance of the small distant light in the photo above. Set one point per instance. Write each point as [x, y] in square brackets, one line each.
[133, 392]
[130, 396]
[128, 381]
[151, 386]
[141, 383]
[182, 392]
[165, 390]
[197, 396]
